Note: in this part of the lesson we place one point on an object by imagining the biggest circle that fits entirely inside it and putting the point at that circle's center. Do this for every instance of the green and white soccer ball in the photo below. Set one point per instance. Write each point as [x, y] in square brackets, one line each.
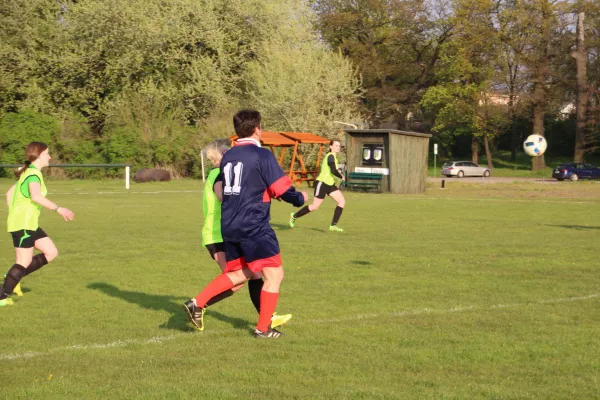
[535, 145]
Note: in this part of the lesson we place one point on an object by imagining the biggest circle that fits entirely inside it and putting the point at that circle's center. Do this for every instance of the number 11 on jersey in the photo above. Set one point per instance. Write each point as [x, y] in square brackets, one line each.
[232, 174]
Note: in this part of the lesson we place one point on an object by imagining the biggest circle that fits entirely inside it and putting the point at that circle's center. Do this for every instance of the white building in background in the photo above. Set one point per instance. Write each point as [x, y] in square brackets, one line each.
[497, 99]
[566, 110]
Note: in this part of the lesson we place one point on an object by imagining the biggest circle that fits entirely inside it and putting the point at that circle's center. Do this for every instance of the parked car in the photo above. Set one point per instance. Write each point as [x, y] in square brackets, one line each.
[464, 168]
[576, 171]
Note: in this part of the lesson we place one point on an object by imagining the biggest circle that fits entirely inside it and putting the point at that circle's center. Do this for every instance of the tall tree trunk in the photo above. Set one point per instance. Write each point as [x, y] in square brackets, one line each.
[514, 142]
[538, 163]
[514, 139]
[475, 149]
[488, 153]
[582, 88]
[542, 72]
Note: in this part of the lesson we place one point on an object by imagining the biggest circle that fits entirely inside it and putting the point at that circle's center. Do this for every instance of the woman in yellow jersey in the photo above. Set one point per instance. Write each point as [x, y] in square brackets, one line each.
[25, 200]
[326, 185]
[211, 233]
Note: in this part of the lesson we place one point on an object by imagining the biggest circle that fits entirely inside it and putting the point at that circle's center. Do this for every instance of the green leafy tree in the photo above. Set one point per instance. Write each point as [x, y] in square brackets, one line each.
[396, 46]
[19, 129]
[158, 76]
[461, 101]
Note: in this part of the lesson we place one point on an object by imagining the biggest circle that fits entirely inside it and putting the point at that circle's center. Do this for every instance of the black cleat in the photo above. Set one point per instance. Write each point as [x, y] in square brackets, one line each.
[195, 313]
[270, 334]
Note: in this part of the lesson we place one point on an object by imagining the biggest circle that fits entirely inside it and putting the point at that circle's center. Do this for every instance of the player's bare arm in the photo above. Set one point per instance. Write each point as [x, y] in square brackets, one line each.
[36, 195]
[9, 194]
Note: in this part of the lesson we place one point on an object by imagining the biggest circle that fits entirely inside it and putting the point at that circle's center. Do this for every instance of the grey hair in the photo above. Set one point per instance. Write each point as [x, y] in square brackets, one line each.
[214, 151]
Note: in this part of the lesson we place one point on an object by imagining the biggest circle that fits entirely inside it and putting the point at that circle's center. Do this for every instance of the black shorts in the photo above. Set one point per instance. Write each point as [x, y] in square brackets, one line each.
[25, 239]
[215, 248]
[323, 189]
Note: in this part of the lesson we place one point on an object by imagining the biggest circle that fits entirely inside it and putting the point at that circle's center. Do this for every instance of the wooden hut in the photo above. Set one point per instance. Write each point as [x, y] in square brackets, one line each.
[400, 156]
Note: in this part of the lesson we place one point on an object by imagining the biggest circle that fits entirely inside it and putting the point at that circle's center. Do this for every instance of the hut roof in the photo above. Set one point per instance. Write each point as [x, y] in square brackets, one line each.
[394, 131]
[269, 138]
[306, 137]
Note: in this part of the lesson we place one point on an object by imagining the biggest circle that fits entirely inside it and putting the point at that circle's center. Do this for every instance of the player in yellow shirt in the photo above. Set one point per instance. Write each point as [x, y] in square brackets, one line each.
[326, 185]
[25, 200]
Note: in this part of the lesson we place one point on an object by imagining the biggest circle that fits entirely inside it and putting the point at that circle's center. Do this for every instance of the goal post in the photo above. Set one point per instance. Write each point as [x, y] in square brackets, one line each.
[126, 166]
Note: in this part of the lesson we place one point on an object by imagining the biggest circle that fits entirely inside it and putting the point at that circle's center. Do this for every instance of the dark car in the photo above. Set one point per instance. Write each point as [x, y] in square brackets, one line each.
[576, 171]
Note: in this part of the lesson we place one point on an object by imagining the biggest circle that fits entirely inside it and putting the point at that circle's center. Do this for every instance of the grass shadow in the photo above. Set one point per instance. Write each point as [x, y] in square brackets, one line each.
[361, 262]
[280, 227]
[577, 227]
[283, 227]
[171, 304]
[237, 323]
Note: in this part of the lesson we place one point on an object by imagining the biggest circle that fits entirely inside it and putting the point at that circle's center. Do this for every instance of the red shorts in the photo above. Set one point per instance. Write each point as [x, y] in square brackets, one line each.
[255, 254]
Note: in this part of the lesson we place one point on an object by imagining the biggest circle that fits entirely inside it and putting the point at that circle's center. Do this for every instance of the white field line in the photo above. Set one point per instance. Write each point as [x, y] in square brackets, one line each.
[393, 314]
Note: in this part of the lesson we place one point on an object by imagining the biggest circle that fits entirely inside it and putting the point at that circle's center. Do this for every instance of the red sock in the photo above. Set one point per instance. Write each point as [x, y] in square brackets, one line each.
[220, 284]
[268, 304]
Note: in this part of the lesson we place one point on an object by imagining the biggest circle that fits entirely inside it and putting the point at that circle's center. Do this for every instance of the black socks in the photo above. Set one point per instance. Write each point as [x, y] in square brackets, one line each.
[255, 287]
[37, 262]
[336, 215]
[13, 277]
[219, 297]
[303, 211]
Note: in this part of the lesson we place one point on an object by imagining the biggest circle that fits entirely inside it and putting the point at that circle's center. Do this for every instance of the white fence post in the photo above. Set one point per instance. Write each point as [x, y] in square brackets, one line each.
[202, 160]
[127, 177]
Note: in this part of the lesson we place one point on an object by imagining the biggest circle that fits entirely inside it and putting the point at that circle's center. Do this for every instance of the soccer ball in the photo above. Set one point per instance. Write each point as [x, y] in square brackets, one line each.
[535, 145]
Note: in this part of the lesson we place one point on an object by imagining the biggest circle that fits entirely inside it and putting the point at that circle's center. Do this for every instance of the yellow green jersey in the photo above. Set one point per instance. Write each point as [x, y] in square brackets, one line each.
[211, 207]
[24, 213]
[326, 175]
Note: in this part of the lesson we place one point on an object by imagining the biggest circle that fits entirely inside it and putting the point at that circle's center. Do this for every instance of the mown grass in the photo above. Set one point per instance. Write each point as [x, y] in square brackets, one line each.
[475, 291]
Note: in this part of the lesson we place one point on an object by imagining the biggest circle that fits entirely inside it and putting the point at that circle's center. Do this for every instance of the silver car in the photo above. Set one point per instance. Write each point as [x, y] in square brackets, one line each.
[464, 168]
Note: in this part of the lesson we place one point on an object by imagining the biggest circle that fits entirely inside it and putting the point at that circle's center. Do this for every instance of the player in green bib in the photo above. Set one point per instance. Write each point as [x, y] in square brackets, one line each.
[326, 184]
[213, 240]
[25, 200]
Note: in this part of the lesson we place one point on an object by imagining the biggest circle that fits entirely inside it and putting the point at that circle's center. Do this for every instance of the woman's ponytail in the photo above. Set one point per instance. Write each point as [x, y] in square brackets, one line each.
[32, 152]
[22, 168]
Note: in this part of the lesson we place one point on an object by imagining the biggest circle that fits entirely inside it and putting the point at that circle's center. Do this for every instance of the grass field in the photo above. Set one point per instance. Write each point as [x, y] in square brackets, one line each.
[472, 292]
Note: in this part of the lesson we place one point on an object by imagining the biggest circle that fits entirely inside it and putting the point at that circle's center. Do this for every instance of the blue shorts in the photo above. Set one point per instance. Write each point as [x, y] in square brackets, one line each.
[255, 254]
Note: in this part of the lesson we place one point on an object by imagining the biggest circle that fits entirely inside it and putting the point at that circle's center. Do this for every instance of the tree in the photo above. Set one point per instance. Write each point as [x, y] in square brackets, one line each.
[542, 31]
[28, 30]
[161, 77]
[396, 45]
[461, 101]
[585, 54]
[581, 60]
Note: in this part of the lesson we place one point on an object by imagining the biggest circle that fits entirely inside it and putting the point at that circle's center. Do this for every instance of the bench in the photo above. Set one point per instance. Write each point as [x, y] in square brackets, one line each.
[364, 181]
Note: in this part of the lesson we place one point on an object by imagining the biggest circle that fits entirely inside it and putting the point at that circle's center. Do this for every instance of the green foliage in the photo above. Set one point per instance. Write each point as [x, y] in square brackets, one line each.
[19, 129]
[460, 100]
[28, 31]
[161, 74]
[300, 86]
[395, 45]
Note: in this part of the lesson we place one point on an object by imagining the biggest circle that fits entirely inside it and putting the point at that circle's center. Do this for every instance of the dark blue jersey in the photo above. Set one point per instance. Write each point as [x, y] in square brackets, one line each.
[251, 177]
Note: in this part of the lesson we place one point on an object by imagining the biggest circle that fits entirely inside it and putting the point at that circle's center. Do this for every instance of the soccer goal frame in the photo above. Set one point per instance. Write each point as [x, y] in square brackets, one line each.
[126, 166]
